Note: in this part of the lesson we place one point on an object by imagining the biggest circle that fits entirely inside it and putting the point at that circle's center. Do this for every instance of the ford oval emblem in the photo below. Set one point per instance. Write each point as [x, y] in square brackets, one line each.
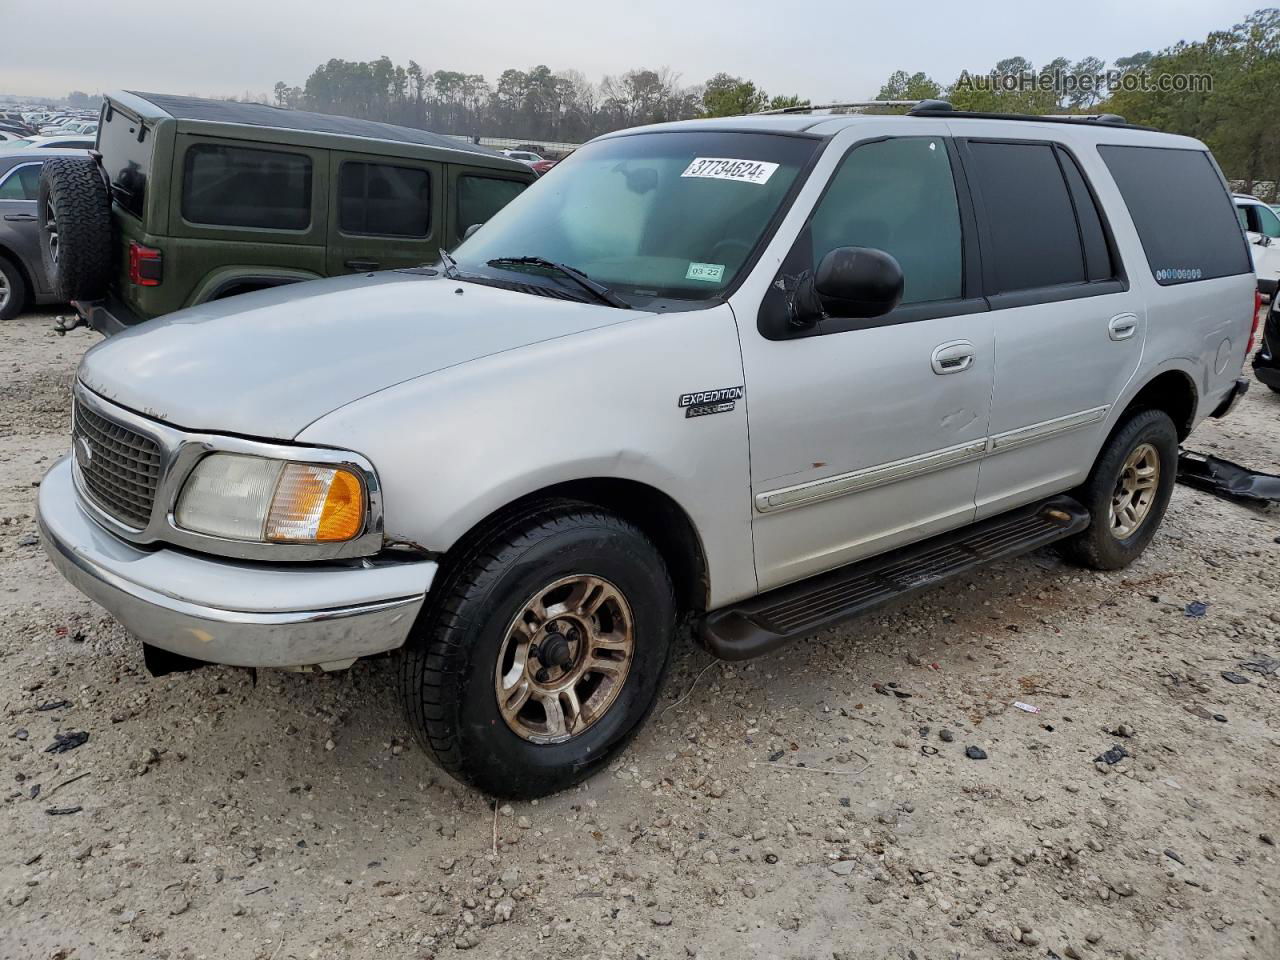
[84, 453]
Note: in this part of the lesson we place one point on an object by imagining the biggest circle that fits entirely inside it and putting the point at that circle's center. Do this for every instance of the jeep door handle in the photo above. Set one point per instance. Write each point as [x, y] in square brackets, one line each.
[20, 217]
[363, 266]
[955, 356]
[1122, 326]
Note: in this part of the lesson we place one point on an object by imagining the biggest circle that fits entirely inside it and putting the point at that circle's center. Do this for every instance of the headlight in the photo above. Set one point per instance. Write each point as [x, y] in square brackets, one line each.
[256, 498]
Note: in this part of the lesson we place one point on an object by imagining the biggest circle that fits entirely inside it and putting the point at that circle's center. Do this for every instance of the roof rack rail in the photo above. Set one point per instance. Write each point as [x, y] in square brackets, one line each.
[847, 105]
[941, 108]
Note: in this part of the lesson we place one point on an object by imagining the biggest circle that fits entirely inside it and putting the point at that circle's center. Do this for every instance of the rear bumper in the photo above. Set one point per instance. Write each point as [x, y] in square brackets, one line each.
[232, 612]
[1228, 403]
[108, 317]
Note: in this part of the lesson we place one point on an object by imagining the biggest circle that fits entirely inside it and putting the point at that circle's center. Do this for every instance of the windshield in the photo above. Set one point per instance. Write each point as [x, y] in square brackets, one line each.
[649, 215]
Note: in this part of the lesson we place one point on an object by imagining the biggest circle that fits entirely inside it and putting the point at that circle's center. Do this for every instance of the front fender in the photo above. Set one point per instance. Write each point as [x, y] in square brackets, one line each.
[453, 447]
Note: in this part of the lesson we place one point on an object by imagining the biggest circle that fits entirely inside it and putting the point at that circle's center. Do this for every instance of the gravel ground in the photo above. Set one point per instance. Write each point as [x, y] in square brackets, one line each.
[817, 803]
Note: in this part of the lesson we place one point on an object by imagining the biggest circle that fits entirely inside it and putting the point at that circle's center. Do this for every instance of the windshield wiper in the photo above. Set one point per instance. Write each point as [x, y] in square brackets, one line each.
[450, 265]
[598, 290]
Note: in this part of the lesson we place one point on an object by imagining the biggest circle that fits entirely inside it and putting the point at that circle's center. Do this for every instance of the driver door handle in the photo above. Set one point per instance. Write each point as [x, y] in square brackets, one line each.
[1122, 326]
[20, 217]
[955, 356]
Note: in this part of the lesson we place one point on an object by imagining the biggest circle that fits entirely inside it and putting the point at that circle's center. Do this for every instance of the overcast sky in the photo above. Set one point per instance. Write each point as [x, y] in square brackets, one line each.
[823, 49]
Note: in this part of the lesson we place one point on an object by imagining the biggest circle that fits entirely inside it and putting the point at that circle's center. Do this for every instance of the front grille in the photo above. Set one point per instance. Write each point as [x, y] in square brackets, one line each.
[119, 468]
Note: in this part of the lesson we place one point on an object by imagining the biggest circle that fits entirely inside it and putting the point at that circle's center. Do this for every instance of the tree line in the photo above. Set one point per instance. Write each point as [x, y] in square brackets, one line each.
[535, 104]
[1233, 116]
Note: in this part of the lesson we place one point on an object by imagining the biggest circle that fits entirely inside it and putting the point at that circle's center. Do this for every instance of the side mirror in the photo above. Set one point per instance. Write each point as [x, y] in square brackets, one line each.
[852, 282]
[466, 234]
[1263, 241]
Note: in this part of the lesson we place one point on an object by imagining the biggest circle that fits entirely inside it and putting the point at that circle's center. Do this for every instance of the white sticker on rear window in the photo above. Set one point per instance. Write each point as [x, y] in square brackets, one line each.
[711, 272]
[720, 168]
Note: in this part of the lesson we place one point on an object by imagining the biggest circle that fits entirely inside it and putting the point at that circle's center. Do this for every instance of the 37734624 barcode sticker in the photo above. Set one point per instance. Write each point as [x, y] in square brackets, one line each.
[721, 168]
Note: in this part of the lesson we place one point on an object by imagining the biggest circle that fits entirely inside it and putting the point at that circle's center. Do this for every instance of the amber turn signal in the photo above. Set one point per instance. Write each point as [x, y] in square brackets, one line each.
[314, 504]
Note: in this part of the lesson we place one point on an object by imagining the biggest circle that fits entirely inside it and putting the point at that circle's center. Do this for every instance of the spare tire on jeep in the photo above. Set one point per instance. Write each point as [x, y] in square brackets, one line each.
[75, 228]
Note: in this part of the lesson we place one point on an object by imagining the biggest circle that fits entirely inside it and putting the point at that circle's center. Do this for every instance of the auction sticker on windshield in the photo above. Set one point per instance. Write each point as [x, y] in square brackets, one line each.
[720, 168]
[711, 272]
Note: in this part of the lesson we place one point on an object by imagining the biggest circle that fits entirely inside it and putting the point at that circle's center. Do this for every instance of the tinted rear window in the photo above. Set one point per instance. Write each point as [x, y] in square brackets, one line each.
[479, 198]
[126, 154]
[1028, 211]
[383, 200]
[244, 187]
[1182, 212]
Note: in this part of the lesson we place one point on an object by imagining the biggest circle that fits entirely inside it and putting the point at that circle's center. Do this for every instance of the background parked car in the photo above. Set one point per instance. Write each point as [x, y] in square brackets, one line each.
[71, 141]
[542, 166]
[22, 276]
[524, 156]
[210, 199]
[1262, 226]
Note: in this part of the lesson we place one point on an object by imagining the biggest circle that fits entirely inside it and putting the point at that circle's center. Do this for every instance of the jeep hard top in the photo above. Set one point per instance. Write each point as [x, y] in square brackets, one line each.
[202, 199]
[755, 375]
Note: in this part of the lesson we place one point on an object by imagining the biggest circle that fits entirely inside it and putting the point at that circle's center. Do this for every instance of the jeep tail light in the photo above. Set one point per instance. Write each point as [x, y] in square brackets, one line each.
[146, 265]
[1257, 319]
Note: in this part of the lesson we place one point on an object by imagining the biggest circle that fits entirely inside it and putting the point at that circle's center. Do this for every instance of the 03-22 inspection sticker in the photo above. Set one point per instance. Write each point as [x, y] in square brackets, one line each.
[722, 168]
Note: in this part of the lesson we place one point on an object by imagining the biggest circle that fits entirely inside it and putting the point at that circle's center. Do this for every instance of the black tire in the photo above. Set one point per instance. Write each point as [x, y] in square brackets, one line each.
[75, 228]
[1098, 547]
[13, 289]
[448, 667]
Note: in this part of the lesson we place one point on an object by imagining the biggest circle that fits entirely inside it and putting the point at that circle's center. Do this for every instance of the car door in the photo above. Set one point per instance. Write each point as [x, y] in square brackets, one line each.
[384, 212]
[1069, 328]
[19, 230]
[866, 434]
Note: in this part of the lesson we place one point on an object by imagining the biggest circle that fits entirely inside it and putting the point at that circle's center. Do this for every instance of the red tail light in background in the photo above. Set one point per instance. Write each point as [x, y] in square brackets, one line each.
[146, 265]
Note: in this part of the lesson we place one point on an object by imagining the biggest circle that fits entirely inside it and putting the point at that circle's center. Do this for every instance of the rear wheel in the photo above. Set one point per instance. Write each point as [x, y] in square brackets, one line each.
[13, 290]
[1127, 492]
[543, 650]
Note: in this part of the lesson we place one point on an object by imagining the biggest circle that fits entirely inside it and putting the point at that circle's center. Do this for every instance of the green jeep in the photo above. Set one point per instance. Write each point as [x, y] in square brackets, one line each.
[191, 200]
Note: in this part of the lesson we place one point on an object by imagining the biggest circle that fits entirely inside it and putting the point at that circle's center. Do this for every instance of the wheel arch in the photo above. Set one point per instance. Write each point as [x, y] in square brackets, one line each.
[1173, 391]
[655, 513]
[230, 281]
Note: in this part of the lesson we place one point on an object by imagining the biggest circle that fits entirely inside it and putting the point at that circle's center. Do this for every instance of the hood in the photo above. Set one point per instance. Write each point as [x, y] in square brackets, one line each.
[269, 363]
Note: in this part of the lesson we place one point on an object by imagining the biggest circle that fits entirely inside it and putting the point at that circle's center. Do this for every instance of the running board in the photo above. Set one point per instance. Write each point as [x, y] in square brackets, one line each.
[764, 623]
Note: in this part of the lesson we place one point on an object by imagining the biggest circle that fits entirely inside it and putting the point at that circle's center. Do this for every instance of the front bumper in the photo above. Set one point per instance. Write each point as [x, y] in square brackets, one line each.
[227, 611]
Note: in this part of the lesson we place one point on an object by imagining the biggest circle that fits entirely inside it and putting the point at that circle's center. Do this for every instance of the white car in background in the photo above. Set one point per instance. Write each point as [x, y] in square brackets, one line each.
[524, 156]
[71, 141]
[1262, 226]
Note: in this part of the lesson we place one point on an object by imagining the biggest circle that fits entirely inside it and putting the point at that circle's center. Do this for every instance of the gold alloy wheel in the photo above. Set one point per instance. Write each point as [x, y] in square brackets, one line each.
[1135, 491]
[564, 658]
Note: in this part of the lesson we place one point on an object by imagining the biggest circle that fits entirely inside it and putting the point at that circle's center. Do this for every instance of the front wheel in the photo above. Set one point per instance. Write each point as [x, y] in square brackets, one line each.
[542, 652]
[1127, 492]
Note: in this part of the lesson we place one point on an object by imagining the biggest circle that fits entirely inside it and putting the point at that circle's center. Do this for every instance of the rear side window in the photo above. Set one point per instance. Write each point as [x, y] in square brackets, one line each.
[479, 198]
[22, 183]
[378, 199]
[1182, 212]
[243, 187]
[1098, 264]
[897, 196]
[1031, 222]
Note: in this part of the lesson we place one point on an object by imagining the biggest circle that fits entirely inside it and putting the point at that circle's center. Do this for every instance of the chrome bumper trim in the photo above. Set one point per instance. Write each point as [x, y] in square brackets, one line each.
[226, 611]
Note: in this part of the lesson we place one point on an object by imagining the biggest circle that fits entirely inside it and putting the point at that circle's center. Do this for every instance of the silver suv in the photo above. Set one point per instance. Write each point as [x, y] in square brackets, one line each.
[753, 375]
